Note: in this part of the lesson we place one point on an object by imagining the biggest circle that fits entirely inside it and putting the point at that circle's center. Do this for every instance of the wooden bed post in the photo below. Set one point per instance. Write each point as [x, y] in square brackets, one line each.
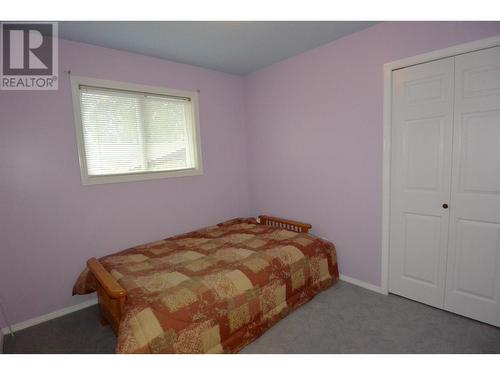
[110, 294]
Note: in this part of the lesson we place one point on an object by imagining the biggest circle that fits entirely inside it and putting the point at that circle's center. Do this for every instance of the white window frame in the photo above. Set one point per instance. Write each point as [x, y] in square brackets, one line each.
[77, 81]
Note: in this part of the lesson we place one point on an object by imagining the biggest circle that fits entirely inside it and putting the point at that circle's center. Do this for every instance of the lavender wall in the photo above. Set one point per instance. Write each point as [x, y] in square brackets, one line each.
[315, 131]
[50, 224]
[309, 128]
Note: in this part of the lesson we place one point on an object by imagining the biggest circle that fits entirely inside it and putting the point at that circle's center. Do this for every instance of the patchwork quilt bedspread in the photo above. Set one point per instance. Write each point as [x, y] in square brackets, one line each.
[214, 290]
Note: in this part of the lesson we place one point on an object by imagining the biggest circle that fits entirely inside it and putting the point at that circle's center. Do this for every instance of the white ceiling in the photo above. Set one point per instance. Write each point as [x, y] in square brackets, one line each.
[230, 47]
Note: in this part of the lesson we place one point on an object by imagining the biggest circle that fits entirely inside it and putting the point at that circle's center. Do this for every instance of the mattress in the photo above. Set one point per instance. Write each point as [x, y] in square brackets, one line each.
[216, 289]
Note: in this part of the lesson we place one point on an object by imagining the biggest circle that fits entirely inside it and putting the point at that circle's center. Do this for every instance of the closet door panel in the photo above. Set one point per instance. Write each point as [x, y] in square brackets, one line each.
[420, 179]
[473, 267]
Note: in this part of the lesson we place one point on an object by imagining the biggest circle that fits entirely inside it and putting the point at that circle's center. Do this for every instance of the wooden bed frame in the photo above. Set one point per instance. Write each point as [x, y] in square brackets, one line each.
[295, 226]
[112, 296]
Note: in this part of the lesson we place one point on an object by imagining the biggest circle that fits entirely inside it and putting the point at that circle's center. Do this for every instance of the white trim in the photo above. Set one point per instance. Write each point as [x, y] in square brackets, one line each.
[362, 284]
[44, 318]
[386, 168]
[443, 53]
[386, 180]
[76, 81]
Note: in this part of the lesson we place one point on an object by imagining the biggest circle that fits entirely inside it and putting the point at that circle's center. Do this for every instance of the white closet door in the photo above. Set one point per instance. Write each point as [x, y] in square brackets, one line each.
[473, 272]
[422, 122]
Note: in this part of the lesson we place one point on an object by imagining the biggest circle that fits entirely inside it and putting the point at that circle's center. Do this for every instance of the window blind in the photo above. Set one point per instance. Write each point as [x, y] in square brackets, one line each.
[128, 132]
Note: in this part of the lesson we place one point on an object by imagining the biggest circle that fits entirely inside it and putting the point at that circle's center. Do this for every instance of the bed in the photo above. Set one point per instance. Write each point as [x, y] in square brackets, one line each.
[213, 290]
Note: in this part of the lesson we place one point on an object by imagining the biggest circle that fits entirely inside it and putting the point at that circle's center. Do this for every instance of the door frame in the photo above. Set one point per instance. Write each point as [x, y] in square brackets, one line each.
[386, 167]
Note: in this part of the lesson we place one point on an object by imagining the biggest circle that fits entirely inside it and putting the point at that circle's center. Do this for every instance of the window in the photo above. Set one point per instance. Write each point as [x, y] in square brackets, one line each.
[130, 132]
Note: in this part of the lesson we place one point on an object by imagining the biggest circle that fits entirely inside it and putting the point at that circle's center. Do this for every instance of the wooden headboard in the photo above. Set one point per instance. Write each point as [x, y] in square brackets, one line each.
[295, 226]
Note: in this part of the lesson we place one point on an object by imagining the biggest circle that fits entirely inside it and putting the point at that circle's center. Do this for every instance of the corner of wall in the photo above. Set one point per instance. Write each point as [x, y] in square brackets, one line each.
[246, 129]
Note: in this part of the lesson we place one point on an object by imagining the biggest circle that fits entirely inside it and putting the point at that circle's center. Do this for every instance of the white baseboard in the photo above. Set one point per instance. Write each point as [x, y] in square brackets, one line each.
[362, 284]
[68, 310]
[44, 318]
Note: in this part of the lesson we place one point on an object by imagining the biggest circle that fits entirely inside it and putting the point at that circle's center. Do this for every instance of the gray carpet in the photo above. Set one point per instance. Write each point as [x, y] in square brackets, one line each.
[343, 319]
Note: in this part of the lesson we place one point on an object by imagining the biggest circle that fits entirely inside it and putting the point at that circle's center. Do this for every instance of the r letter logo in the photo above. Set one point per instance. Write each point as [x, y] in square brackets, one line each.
[29, 56]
